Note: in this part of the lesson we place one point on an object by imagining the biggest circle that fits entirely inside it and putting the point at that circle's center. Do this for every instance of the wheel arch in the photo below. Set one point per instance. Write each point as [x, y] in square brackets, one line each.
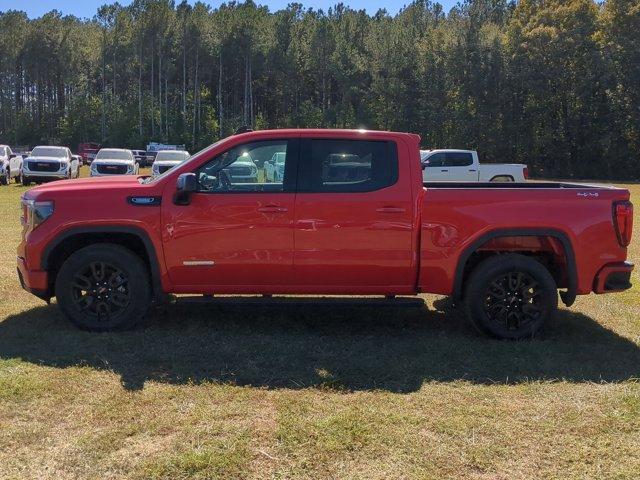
[510, 178]
[132, 238]
[568, 296]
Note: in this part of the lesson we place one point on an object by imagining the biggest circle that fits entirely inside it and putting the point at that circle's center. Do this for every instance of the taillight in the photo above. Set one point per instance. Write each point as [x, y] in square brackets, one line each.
[525, 172]
[623, 220]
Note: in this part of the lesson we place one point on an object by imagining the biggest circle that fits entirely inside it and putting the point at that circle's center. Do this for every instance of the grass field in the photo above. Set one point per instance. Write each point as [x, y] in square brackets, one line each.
[308, 391]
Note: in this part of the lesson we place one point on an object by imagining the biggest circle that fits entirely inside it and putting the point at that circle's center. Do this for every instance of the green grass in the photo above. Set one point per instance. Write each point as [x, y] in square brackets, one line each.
[315, 391]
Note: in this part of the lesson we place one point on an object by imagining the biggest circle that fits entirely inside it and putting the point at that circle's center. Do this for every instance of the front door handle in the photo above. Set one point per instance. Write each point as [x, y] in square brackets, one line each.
[391, 210]
[444, 170]
[273, 209]
[473, 170]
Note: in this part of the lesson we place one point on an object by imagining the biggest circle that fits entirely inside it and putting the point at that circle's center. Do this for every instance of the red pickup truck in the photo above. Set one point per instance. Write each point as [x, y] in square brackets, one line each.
[350, 216]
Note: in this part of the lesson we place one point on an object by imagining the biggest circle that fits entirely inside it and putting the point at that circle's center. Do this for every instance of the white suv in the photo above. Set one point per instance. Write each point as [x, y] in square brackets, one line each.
[10, 164]
[114, 161]
[49, 163]
[167, 159]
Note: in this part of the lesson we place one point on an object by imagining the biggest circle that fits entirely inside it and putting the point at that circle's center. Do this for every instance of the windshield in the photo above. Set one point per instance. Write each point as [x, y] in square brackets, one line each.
[114, 155]
[58, 152]
[172, 155]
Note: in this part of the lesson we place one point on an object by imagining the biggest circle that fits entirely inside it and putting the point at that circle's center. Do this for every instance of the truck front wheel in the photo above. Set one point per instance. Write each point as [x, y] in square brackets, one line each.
[510, 296]
[103, 287]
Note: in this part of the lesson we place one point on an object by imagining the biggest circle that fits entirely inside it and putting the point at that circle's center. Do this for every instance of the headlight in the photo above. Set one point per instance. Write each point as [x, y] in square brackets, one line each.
[34, 213]
[63, 166]
[130, 168]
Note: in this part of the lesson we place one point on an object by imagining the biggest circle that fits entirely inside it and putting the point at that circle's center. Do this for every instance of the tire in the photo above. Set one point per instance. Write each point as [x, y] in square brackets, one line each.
[510, 296]
[24, 180]
[103, 287]
[4, 180]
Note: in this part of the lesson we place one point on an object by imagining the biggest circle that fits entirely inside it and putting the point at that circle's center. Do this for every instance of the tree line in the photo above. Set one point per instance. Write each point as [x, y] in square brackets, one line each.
[551, 83]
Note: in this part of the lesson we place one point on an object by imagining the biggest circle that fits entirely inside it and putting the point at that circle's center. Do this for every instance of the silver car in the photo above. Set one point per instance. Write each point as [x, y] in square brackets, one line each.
[167, 159]
[114, 161]
[49, 163]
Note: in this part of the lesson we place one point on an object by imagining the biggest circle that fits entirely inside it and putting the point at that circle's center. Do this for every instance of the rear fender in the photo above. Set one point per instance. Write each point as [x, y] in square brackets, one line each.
[568, 297]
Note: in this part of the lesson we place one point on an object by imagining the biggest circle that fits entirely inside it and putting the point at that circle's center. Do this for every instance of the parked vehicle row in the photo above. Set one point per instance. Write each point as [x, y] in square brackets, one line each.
[49, 162]
[443, 165]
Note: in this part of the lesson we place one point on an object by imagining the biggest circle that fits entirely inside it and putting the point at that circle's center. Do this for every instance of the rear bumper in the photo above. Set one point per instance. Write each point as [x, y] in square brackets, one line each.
[35, 282]
[614, 277]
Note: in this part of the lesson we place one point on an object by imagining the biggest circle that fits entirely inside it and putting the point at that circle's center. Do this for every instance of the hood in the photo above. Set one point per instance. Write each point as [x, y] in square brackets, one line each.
[166, 163]
[47, 159]
[109, 161]
[128, 182]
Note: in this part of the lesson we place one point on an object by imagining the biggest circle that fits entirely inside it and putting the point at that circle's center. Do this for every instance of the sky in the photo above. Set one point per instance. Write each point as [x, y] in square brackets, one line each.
[88, 8]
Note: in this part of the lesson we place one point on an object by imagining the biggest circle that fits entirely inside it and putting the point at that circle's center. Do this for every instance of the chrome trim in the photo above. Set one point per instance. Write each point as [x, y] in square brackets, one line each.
[198, 263]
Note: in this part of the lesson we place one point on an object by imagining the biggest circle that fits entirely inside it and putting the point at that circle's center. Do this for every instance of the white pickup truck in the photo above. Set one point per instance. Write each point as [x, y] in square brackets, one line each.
[464, 166]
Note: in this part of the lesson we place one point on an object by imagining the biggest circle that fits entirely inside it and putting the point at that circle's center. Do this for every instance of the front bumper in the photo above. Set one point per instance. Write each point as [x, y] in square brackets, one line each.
[35, 282]
[37, 175]
[614, 277]
[95, 173]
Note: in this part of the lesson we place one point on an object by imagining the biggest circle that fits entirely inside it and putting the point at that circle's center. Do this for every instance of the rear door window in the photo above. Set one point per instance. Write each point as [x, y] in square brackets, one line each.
[328, 165]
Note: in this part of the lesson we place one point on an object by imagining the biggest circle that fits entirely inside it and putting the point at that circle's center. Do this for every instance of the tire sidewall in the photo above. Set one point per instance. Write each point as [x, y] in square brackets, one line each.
[120, 257]
[499, 265]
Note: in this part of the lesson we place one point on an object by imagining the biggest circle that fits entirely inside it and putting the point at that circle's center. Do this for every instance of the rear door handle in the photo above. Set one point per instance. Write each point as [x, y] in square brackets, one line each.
[444, 170]
[473, 170]
[391, 210]
[273, 209]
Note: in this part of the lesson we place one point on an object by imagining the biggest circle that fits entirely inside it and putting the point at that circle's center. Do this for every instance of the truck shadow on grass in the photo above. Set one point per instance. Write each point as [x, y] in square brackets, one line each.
[358, 346]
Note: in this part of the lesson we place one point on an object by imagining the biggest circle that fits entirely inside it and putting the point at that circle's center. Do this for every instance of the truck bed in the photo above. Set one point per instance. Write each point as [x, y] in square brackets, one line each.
[515, 185]
[456, 217]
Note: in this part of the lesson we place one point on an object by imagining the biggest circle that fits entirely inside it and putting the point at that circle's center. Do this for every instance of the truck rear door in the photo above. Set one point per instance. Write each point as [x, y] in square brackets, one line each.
[461, 167]
[353, 217]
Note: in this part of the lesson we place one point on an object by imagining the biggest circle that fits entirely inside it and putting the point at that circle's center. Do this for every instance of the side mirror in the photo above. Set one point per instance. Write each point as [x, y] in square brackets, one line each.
[12, 155]
[425, 165]
[186, 184]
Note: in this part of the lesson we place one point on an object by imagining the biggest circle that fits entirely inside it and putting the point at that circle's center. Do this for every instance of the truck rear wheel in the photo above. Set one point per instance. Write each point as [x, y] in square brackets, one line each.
[103, 288]
[510, 296]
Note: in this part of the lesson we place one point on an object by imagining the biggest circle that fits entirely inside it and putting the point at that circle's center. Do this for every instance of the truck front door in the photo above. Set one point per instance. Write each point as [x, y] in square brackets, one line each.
[434, 168]
[237, 232]
[354, 211]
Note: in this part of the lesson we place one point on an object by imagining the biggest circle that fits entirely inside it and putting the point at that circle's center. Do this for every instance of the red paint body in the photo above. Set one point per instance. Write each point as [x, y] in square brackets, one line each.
[403, 239]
